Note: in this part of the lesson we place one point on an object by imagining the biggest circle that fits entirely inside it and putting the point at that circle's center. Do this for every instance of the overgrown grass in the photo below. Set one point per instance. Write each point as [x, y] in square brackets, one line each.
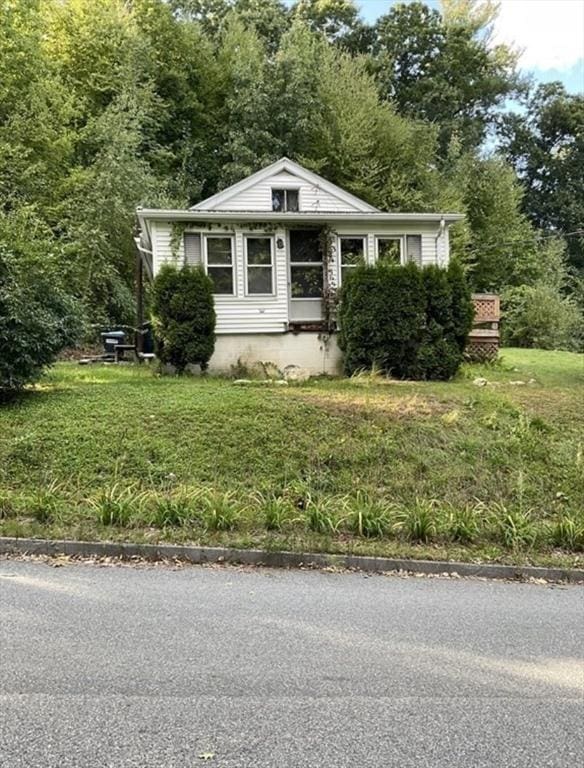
[365, 464]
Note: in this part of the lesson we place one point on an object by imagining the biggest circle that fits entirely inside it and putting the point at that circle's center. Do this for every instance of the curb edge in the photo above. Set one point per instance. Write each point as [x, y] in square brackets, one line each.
[283, 559]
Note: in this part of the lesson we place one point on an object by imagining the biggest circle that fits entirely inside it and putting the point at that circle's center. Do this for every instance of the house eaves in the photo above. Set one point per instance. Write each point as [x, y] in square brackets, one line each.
[305, 217]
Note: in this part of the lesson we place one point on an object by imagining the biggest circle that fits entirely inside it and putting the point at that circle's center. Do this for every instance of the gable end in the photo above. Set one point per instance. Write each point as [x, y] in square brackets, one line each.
[254, 193]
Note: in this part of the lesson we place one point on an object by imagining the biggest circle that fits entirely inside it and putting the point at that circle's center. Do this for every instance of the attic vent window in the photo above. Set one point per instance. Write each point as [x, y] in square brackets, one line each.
[285, 200]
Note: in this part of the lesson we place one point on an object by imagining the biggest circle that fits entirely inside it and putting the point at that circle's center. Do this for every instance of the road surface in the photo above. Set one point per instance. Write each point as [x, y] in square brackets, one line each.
[154, 667]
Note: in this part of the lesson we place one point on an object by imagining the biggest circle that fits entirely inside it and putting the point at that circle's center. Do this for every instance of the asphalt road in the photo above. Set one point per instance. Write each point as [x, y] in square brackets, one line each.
[155, 667]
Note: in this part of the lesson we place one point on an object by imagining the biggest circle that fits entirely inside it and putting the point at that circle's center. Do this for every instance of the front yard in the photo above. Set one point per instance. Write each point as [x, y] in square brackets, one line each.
[431, 470]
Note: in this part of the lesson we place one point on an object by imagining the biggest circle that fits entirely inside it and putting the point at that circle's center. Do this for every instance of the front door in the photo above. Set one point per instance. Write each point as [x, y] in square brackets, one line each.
[306, 276]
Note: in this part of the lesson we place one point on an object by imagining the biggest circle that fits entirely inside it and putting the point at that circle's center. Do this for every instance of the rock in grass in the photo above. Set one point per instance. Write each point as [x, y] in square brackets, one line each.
[480, 382]
[296, 373]
[261, 382]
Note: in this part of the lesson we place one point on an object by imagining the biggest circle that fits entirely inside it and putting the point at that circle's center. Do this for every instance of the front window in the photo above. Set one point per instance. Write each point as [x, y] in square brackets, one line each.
[306, 265]
[259, 265]
[352, 254]
[285, 200]
[220, 264]
[389, 250]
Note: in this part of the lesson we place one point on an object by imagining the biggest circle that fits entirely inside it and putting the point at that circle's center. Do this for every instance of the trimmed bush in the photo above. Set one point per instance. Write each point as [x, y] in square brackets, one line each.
[382, 318]
[37, 320]
[406, 321]
[462, 306]
[184, 317]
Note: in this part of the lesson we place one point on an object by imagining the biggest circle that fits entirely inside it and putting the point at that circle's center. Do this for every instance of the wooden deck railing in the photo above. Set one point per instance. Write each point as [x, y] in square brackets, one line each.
[483, 340]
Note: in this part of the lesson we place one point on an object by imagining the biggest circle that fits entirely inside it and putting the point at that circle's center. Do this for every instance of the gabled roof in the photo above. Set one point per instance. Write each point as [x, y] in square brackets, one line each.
[284, 164]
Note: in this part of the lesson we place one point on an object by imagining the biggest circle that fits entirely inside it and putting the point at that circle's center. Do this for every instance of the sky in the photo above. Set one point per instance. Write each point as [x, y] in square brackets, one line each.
[549, 33]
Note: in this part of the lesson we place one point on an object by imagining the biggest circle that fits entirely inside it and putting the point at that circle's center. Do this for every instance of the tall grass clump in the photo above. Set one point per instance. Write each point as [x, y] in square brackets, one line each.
[323, 516]
[46, 504]
[117, 505]
[419, 523]
[220, 511]
[275, 510]
[172, 511]
[568, 533]
[516, 528]
[7, 507]
[463, 524]
[369, 518]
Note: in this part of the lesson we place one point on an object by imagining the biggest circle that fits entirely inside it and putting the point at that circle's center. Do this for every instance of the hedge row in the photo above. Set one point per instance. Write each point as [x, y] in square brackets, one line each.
[408, 322]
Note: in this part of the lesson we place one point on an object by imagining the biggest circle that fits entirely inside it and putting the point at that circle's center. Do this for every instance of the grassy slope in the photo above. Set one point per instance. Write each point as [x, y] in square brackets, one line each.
[83, 429]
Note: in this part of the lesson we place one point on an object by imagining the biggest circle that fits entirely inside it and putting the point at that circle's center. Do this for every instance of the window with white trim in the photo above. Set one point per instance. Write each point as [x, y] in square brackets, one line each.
[352, 254]
[285, 200]
[259, 265]
[389, 250]
[220, 264]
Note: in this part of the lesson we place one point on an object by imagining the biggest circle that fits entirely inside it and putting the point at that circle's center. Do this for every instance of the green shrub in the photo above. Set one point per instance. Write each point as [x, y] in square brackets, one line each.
[37, 320]
[540, 316]
[184, 316]
[408, 322]
[381, 317]
[462, 307]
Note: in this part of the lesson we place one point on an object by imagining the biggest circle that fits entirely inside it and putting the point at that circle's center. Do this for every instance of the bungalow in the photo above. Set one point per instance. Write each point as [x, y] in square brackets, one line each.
[260, 243]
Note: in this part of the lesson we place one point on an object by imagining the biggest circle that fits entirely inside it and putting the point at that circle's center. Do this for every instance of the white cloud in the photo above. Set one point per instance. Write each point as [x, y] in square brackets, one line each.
[549, 32]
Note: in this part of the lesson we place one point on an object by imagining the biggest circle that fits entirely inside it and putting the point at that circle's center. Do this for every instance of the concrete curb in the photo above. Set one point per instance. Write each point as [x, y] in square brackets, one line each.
[201, 555]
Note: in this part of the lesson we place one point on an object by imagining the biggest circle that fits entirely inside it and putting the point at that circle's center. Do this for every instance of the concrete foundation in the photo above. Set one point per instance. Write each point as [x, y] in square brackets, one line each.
[316, 353]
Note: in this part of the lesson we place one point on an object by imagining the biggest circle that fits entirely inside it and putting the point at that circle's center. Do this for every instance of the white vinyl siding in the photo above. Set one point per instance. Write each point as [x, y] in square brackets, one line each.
[311, 198]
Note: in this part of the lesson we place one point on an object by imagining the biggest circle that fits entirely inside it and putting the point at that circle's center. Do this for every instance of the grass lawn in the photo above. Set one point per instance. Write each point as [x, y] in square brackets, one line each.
[363, 465]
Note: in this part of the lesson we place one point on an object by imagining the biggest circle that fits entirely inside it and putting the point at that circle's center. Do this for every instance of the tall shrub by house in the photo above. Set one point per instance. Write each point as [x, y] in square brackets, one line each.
[382, 318]
[449, 315]
[409, 322]
[184, 317]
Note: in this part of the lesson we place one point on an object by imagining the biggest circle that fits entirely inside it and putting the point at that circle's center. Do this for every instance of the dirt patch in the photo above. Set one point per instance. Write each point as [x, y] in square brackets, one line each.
[343, 403]
[557, 405]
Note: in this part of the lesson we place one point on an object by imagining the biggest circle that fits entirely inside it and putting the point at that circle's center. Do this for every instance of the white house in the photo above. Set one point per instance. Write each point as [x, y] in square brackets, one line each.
[258, 240]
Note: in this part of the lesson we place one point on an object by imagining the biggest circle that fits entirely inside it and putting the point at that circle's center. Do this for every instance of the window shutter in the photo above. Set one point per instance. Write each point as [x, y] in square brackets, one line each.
[193, 249]
[414, 249]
